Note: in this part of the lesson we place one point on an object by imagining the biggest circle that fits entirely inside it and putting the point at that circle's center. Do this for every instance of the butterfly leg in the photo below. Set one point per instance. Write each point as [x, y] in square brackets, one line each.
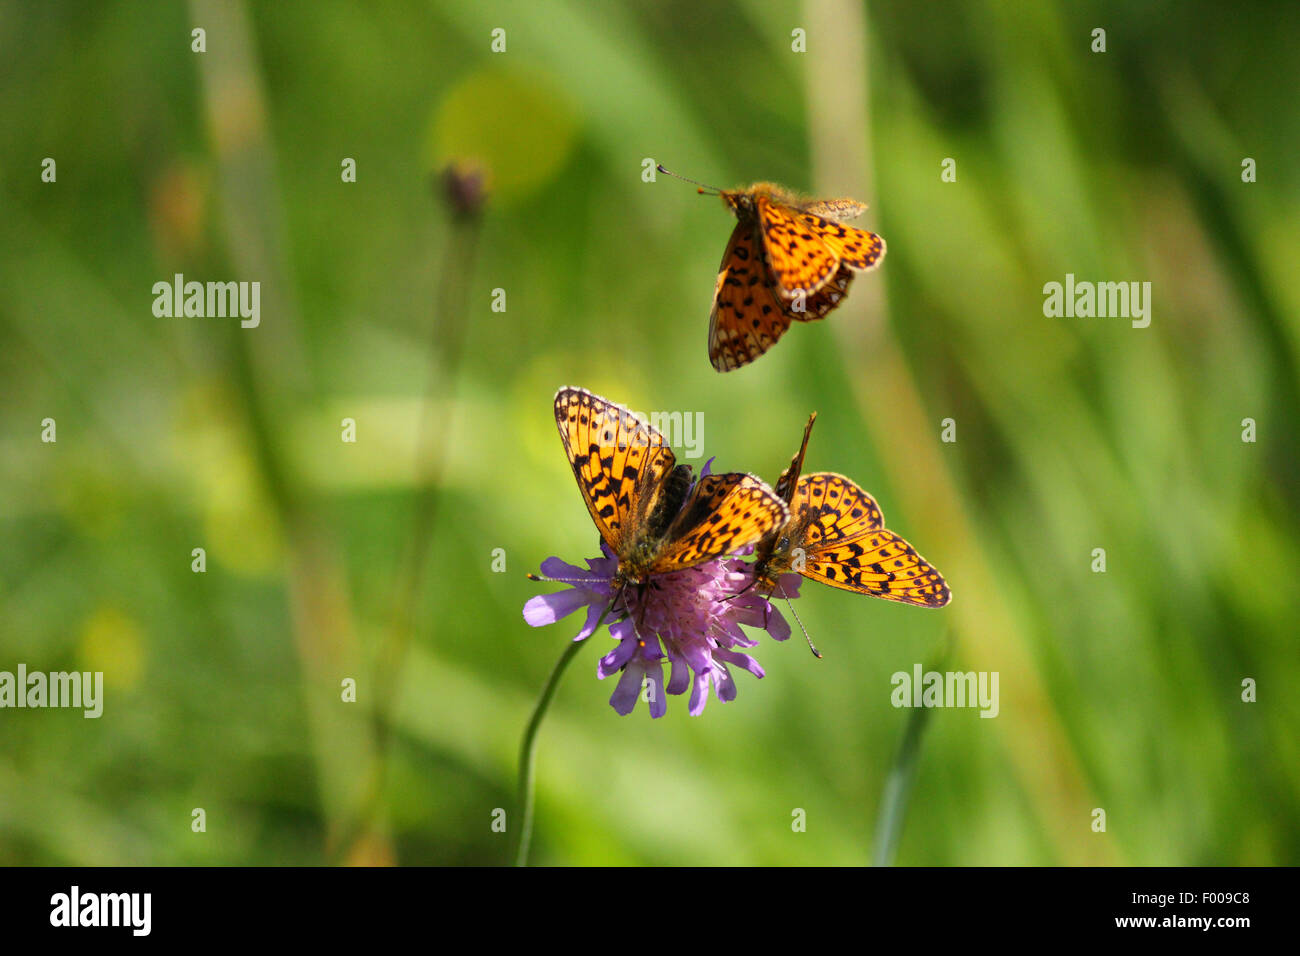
[641, 589]
[620, 598]
[732, 597]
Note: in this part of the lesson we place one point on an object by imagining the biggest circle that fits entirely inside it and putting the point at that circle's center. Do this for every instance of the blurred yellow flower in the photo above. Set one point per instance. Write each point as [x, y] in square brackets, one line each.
[113, 643]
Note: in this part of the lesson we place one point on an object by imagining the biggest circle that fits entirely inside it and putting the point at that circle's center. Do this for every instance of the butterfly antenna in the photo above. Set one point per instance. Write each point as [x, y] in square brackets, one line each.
[812, 647]
[540, 577]
[703, 187]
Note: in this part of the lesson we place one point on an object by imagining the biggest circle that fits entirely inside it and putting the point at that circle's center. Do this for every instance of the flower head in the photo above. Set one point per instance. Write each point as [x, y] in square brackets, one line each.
[692, 617]
[464, 185]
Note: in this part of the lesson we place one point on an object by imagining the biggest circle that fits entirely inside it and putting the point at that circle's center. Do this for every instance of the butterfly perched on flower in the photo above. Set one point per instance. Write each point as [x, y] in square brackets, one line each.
[788, 260]
[836, 534]
[647, 509]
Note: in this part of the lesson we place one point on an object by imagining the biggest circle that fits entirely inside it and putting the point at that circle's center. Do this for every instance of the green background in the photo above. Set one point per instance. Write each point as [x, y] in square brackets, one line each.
[373, 560]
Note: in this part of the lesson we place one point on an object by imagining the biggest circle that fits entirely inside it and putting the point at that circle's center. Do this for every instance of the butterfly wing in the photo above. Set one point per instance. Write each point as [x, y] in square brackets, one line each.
[852, 247]
[883, 566]
[620, 462]
[724, 514]
[768, 564]
[820, 303]
[847, 546]
[747, 317]
[788, 482]
[836, 208]
[840, 508]
[749, 314]
[798, 258]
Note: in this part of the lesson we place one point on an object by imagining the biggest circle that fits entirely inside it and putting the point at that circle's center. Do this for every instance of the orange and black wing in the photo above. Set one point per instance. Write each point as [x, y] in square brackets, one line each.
[840, 508]
[747, 317]
[854, 248]
[787, 483]
[820, 303]
[620, 462]
[724, 514]
[766, 566]
[798, 258]
[846, 545]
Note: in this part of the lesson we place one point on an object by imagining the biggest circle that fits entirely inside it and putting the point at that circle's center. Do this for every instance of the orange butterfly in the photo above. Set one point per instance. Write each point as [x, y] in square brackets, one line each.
[836, 534]
[642, 501]
[788, 259]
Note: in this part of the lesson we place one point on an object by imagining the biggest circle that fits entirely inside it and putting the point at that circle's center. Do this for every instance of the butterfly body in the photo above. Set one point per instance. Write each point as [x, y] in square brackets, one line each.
[788, 260]
[774, 555]
[647, 509]
[836, 534]
[777, 556]
[640, 552]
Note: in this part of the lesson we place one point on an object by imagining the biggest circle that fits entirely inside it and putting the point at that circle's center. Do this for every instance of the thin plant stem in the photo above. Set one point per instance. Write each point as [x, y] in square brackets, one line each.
[902, 775]
[449, 334]
[528, 746]
[446, 342]
[898, 790]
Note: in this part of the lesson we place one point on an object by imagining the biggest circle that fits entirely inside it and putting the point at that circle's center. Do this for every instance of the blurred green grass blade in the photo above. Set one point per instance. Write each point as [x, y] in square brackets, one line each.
[902, 775]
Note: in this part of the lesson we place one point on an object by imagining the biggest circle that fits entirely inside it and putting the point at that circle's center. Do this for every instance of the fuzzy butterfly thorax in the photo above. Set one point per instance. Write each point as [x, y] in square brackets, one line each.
[743, 202]
[640, 554]
[775, 555]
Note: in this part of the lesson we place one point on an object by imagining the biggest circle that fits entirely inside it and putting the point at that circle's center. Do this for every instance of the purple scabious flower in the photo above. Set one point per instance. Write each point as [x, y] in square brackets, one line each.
[691, 617]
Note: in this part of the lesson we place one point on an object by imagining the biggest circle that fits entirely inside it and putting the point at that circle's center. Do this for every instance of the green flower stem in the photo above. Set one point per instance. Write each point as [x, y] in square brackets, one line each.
[528, 747]
[446, 344]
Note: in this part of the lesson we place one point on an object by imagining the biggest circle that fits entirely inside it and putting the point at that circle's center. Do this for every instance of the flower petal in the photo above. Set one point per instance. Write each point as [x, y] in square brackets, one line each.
[681, 677]
[723, 685]
[658, 700]
[594, 612]
[741, 660]
[544, 609]
[613, 662]
[777, 626]
[699, 694]
[625, 694]
[790, 585]
[553, 567]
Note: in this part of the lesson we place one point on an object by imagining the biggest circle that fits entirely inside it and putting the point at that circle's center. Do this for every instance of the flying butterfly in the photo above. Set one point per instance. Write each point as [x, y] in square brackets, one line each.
[644, 504]
[836, 534]
[788, 260]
